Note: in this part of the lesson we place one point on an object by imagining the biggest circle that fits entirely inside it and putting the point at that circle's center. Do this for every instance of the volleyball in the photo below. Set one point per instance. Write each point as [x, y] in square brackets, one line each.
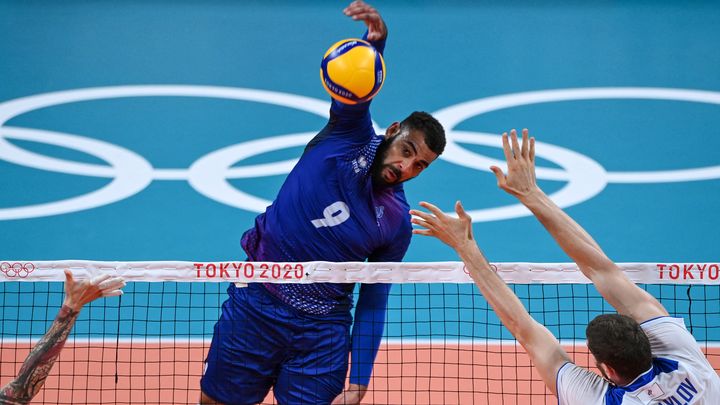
[352, 71]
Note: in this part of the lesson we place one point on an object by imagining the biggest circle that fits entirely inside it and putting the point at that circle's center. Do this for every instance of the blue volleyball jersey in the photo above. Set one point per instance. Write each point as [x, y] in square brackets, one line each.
[328, 210]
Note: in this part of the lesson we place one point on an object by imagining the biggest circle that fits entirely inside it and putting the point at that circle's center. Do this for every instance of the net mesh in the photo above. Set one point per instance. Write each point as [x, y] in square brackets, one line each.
[442, 342]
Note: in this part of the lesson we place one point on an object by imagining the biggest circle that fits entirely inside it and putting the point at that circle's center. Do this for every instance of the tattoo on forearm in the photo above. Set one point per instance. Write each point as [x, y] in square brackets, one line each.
[39, 362]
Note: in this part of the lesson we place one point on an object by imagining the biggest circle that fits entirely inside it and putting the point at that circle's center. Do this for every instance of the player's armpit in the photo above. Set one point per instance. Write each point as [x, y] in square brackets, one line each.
[626, 297]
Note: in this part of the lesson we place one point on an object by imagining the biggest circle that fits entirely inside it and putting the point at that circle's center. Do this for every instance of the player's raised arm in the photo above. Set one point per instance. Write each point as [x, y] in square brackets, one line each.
[627, 298]
[542, 347]
[353, 72]
[361, 11]
[39, 362]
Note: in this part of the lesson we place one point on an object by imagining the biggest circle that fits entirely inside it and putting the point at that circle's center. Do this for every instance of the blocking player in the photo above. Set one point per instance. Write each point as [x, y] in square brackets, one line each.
[39, 362]
[644, 355]
[343, 201]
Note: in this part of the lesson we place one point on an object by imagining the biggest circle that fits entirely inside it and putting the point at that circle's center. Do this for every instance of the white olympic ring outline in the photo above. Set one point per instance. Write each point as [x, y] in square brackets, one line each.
[209, 175]
[17, 269]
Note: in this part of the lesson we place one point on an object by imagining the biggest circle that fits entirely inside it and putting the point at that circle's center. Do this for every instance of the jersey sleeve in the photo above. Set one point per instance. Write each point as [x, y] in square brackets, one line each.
[577, 385]
[367, 331]
[669, 337]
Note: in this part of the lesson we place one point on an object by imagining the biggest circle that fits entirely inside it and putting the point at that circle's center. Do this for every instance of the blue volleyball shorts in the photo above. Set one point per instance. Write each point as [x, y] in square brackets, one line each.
[260, 342]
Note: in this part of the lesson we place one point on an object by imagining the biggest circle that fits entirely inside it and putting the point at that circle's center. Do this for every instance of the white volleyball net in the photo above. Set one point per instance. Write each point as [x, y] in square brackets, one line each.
[442, 342]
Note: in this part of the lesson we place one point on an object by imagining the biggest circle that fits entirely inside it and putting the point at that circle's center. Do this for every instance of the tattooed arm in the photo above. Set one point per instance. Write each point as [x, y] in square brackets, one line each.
[39, 362]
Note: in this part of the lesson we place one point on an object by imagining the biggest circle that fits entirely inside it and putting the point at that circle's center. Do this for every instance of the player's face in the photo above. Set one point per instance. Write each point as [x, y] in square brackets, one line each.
[404, 156]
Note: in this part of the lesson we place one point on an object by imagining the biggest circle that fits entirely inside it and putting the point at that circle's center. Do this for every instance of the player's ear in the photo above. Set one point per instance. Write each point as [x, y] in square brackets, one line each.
[392, 130]
[609, 373]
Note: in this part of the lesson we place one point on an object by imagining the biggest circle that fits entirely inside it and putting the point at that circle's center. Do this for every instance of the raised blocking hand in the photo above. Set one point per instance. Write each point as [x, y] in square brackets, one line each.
[520, 179]
[80, 292]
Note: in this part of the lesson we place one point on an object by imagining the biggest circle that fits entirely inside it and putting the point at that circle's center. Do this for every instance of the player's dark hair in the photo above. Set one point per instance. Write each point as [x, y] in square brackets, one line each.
[619, 341]
[434, 132]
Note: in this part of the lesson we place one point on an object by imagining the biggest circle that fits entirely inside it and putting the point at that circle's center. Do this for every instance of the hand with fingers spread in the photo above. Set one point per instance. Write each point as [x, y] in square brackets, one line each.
[520, 179]
[454, 232]
[79, 293]
[359, 10]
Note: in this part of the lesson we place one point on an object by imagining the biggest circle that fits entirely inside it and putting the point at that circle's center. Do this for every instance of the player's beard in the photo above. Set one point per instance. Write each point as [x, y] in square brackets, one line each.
[378, 166]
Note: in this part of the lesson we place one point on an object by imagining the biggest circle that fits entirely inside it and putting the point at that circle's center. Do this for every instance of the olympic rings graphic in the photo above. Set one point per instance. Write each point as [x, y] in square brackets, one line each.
[17, 269]
[210, 174]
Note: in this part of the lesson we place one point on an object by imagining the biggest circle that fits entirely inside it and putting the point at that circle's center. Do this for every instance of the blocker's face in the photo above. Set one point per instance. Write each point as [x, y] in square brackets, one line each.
[404, 158]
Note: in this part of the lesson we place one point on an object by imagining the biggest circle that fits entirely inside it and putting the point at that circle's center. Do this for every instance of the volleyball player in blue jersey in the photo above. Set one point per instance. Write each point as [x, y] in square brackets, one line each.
[343, 201]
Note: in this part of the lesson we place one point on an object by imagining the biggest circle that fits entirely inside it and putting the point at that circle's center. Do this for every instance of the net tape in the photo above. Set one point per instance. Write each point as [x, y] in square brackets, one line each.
[348, 272]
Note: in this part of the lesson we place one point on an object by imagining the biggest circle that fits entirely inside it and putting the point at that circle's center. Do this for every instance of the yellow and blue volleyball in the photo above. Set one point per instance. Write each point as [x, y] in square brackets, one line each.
[352, 71]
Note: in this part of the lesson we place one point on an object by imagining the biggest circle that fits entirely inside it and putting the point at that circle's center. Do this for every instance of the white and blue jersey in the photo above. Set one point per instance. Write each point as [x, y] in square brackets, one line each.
[680, 374]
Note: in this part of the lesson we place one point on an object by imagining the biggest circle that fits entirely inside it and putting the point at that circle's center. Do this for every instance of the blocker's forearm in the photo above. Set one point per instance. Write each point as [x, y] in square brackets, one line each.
[571, 237]
[501, 298]
[39, 362]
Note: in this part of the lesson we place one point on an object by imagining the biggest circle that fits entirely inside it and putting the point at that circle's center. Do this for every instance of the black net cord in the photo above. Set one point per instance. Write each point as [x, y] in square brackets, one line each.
[690, 326]
[117, 340]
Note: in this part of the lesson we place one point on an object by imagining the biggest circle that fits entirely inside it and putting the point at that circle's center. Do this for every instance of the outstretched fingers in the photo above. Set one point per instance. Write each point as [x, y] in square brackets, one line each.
[69, 277]
[524, 151]
[424, 232]
[97, 280]
[460, 211]
[454, 232]
[515, 144]
[423, 219]
[112, 286]
[426, 220]
[424, 215]
[501, 179]
[421, 222]
[506, 147]
[432, 208]
[80, 292]
[532, 149]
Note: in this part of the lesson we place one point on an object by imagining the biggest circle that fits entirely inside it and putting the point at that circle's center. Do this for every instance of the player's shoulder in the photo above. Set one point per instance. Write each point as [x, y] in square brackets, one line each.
[658, 320]
[578, 385]
[667, 329]
[669, 337]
